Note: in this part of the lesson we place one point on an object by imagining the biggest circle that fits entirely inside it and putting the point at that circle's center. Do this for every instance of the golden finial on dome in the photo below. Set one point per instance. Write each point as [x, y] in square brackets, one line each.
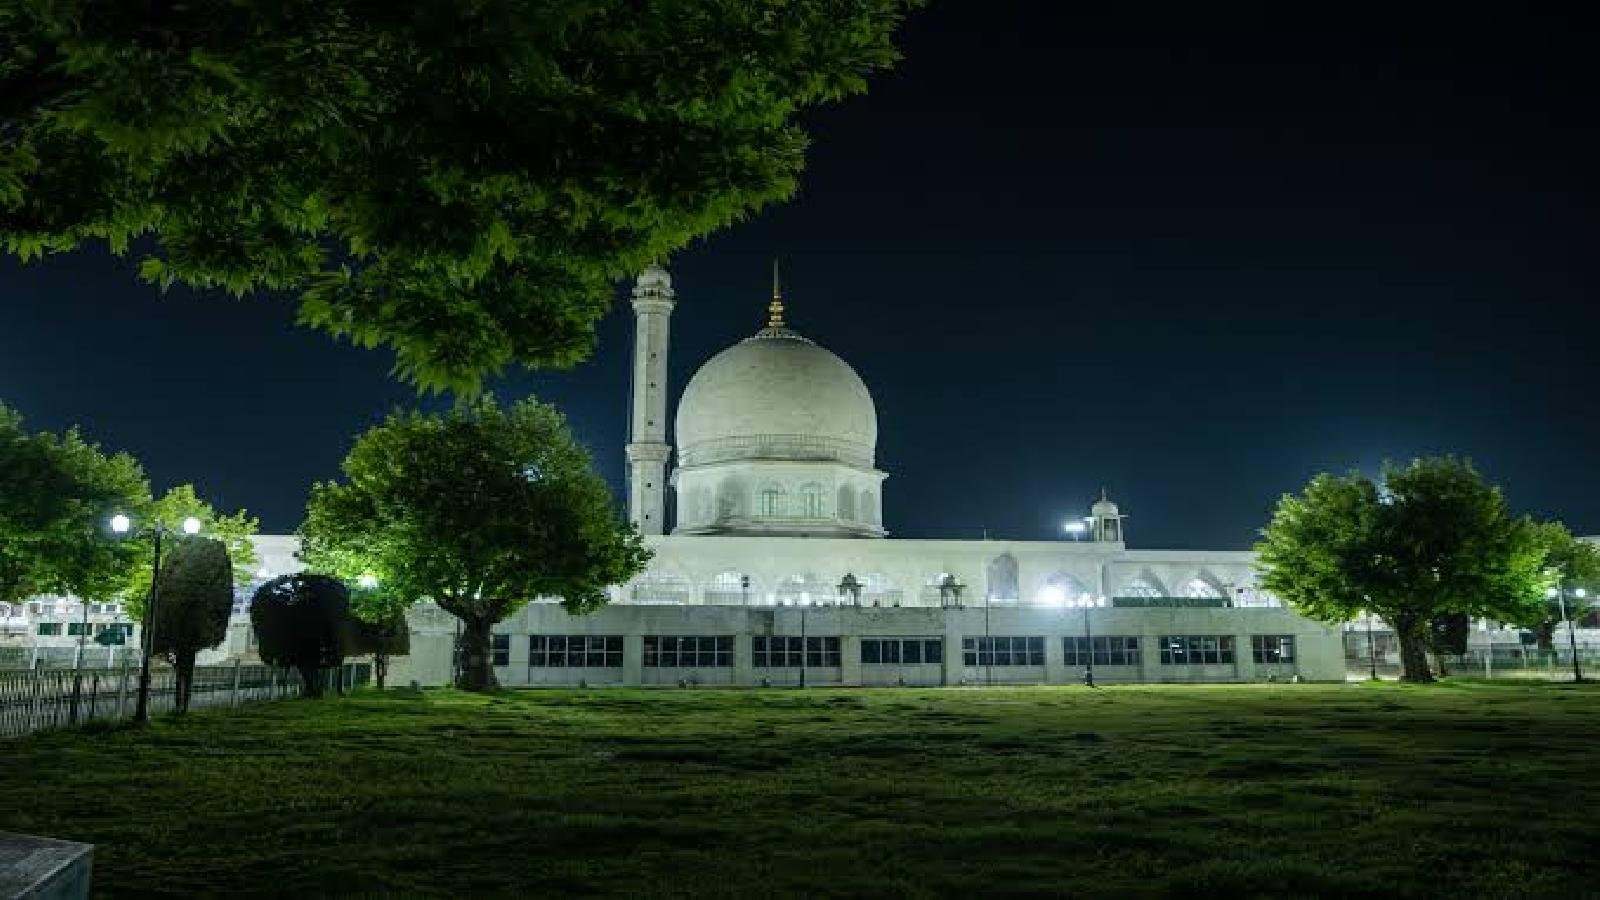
[775, 308]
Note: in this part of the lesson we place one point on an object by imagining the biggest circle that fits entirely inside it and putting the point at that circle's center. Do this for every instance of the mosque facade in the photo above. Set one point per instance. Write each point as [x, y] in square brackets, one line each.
[772, 565]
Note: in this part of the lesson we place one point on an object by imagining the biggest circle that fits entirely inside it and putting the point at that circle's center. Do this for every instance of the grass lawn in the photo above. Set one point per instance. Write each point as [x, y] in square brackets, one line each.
[1472, 790]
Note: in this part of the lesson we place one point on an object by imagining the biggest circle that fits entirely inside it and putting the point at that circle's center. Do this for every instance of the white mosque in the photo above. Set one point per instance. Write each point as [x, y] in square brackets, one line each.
[777, 568]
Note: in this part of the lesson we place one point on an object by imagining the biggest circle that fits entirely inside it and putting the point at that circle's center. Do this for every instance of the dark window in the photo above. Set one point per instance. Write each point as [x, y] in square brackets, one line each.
[780, 652]
[1002, 651]
[912, 651]
[1196, 650]
[1272, 648]
[1109, 650]
[49, 628]
[672, 651]
[502, 649]
[77, 628]
[559, 651]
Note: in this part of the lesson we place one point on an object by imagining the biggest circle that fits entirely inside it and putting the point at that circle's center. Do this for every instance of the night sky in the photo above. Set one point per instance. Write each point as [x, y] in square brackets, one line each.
[1194, 261]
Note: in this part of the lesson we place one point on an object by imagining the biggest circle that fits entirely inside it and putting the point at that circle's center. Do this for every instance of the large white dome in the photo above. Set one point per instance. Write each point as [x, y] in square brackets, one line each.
[776, 395]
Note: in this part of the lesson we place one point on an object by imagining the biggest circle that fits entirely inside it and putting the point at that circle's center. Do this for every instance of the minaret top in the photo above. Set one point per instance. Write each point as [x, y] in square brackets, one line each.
[654, 283]
[775, 308]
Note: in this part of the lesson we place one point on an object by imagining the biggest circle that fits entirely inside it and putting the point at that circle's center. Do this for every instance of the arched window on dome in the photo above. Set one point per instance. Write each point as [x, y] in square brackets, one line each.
[730, 499]
[772, 502]
[811, 505]
[1201, 589]
[847, 503]
[868, 508]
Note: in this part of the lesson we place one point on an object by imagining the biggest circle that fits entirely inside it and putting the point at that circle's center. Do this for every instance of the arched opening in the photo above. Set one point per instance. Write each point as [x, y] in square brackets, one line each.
[847, 503]
[1201, 589]
[880, 590]
[660, 587]
[1001, 576]
[811, 505]
[730, 499]
[803, 588]
[772, 502]
[1060, 589]
[868, 508]
[1144, 587]
[728, 589]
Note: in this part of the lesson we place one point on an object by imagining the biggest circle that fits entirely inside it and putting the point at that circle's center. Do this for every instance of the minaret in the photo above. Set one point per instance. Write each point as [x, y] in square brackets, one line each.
[648, 449]
[1107, 519]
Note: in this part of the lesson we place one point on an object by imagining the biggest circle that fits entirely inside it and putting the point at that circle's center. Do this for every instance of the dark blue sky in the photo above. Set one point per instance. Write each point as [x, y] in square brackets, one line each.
[1195, 261]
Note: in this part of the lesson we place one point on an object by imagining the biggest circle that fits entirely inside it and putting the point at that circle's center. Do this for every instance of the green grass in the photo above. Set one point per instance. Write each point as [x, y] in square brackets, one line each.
[1472, 790]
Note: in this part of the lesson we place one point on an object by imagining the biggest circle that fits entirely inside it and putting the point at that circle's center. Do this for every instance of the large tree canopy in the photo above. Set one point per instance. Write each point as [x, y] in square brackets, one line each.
[1432, 540]
[57, 495]
[460, 181]
[480, 509]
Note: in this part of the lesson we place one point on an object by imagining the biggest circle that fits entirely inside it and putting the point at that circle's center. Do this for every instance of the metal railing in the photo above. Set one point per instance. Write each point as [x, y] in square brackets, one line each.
[44, 699]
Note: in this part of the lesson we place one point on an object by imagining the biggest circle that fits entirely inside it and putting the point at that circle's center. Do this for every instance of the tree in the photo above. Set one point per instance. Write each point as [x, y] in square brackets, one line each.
[1575, 565]
[57, 495]
[301, 623]
[480, 509]
[1433, 539]
[379, 627]
[196, 600]
[461, 182]
[234, 530]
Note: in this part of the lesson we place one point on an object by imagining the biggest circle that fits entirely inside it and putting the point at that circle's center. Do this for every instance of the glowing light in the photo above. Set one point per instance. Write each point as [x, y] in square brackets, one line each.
[1053, 595]
[1580, 593]
[368, 581]
[1075, 526]
[121, 523]
[263, 574]
[191, 525]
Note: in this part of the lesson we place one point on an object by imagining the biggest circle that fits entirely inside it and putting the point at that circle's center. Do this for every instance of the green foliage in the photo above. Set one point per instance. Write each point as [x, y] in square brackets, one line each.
[480, 509]
[301, 622]
[193, 605]
[1434, 539]
[461, 182]
[1575, 565]
[57, 496]
[234, 530]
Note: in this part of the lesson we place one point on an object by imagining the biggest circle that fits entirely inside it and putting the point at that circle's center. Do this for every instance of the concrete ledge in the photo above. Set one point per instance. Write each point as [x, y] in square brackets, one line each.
[39, 868]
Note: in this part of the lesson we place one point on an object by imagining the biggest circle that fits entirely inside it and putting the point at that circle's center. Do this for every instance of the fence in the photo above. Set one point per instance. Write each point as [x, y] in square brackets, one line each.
[1498, 661]
[43, 699]
[93, 656]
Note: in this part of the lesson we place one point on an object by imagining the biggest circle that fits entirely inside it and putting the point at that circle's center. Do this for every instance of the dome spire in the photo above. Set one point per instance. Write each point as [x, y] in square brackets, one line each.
[775, 308]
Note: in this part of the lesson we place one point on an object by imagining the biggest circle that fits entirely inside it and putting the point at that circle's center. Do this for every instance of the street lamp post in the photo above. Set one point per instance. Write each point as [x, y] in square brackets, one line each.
[121, 524]
[803, 605]
[1372, 647]
[1572, 633]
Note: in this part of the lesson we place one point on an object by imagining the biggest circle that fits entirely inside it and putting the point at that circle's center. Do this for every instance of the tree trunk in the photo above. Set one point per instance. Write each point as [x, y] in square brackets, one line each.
[477, 669]
[1546, 633]
[182, 680]
[1413, 635]
[312, 677]
[380, 668]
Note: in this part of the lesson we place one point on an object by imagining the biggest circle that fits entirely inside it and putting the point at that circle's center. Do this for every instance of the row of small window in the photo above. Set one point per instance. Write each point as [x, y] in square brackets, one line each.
[662, 651]
[785, 652]
[53, 629]
[1003, 651]
[901, 651]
